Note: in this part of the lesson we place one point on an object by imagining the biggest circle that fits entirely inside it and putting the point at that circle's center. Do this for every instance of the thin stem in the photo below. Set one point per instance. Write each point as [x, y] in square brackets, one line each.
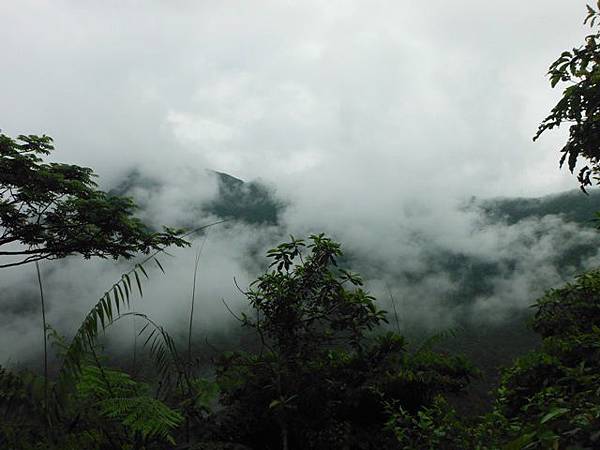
[196, 263]
[189, 349]
[134, 346]
[39, 277]
[100, 368]
[82, 331]
[394, 306]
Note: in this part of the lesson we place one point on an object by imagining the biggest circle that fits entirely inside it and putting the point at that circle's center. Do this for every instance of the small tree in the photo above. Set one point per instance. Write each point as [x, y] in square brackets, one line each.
[51, 210]
[305, 306]
[319, 381]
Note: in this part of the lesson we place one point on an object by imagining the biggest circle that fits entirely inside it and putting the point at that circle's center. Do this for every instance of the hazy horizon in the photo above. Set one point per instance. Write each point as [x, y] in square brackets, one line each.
[373, 121]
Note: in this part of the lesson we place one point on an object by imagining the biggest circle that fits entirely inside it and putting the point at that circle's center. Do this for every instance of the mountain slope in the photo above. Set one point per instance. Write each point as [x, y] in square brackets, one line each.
[573, 206]
[250, 202]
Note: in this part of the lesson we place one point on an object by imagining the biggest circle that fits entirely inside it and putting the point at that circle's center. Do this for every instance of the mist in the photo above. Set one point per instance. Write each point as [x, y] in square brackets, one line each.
[373, 122]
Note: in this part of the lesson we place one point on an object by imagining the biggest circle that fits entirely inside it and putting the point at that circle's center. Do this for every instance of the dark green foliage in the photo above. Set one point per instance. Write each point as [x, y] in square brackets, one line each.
[571, 310]
[320, 382]
[237, 200]
[551, 397]
[571, 205]
[341, 398]
[21, 407]
[127, 404]
[580, 104]
[102, 408]
[304, 312]
[250, 202]
[52, 210]
[305, 303]
[322, 379]
[435, 426]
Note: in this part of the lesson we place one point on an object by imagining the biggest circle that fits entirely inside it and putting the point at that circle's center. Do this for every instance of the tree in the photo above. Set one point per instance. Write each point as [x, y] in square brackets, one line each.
[320, 379]
[303, 309]
[53, 210]
[306, 304]
[549, 398]
[580, 103]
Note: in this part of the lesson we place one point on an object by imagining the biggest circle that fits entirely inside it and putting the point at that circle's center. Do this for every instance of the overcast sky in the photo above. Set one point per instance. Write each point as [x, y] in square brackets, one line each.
[375, 120]
[446, 93]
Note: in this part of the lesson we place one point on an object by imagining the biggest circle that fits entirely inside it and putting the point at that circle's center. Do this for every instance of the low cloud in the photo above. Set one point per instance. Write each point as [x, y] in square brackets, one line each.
[374, 121]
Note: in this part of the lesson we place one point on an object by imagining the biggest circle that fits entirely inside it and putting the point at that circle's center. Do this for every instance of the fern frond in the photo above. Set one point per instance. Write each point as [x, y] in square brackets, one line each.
[102, 314]
[162, 346]
[99, 382]
[435, 339]
[145, 415]
[118, 397]
[98, 319]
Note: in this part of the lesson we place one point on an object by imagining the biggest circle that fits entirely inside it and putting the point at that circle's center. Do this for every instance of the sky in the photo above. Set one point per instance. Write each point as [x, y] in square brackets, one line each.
[446, 93]
[373, 120]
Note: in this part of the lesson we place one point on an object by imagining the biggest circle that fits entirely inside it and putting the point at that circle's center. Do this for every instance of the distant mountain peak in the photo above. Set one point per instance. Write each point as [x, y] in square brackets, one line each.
[252, 202]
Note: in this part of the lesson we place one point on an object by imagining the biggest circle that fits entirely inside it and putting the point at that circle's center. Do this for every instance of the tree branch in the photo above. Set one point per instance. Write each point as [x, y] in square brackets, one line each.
[25, 261]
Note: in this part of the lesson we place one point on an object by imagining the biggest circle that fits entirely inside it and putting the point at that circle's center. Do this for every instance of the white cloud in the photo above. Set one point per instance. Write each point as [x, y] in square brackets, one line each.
[374, 119]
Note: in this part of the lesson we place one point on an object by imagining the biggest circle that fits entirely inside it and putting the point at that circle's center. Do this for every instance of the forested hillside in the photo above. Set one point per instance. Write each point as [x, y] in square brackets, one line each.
[488, 348]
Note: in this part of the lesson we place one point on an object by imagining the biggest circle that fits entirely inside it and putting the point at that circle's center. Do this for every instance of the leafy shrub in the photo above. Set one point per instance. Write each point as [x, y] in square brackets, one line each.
[321, 381]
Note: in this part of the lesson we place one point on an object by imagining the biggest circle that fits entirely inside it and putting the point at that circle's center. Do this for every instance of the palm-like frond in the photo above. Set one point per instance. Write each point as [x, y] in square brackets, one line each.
[162, 345]
[107, 309]
[117, 297]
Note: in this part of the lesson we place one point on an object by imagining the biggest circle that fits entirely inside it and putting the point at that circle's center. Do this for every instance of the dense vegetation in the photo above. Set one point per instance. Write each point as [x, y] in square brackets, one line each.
[321, 372]
[320, 376]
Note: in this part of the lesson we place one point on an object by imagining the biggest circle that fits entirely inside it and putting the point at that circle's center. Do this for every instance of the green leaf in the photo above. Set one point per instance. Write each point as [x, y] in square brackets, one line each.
[100, 313]
[554, 414]
[159, 265]
[143, 270]
[127, 280]
[274, 404]
[139, 284]
[122, 298]
[520, 442]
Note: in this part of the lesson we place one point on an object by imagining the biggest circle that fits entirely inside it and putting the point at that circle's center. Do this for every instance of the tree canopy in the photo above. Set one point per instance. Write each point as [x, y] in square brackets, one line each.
[322, 379]
[52, 210]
